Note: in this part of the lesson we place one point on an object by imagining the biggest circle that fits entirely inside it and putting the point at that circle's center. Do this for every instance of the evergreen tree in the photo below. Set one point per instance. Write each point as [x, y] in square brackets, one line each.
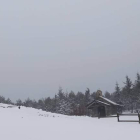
[19, 102]
[117, 94]
[107, 95]
[136, 92]
[75, 104]
[87, 95]
[128, 94]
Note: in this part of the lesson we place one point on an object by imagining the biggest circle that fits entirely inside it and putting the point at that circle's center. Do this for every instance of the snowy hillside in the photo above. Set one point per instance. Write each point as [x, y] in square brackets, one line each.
[33, 124]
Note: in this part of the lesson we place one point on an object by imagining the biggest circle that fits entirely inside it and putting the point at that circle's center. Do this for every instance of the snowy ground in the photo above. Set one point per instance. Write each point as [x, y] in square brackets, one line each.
[33, 124]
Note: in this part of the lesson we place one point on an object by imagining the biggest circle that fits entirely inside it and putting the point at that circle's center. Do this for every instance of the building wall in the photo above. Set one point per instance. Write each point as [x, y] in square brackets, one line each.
[110, 110]
[95, 112]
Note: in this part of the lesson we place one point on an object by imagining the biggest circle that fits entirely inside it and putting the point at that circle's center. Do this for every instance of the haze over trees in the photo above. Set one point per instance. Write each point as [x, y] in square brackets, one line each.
[74, 103]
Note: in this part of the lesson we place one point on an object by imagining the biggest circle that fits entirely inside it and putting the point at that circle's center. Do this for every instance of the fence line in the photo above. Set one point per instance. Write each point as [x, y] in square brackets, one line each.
[118, 115]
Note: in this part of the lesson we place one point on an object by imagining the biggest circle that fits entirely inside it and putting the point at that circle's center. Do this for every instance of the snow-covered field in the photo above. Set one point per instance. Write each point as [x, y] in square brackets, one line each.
[33, 124]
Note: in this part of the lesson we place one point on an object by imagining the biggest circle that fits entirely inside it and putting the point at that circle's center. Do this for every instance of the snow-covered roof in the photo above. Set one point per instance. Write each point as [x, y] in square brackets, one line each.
[97, 101]
[102, 102]
[109, 101]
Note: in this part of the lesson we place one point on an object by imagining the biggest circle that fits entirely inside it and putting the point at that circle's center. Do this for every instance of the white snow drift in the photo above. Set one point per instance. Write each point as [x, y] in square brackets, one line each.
[33, 124]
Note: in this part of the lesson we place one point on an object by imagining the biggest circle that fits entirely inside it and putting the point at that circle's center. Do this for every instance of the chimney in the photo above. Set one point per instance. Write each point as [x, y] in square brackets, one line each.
[98, 94]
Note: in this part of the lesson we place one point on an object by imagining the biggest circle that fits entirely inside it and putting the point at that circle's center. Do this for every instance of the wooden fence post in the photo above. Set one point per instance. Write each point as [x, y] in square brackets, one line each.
[98, 115]
[118, 117]
[139, 117]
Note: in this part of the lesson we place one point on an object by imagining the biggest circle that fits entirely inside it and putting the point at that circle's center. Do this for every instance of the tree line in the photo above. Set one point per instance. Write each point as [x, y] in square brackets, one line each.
[75, 103]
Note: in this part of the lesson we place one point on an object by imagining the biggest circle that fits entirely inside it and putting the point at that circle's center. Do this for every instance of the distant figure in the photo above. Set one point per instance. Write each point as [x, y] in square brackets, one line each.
[19, 107]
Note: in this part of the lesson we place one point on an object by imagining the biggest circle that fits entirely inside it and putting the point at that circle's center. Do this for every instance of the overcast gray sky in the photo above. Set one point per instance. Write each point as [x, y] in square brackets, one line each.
[74, 44]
